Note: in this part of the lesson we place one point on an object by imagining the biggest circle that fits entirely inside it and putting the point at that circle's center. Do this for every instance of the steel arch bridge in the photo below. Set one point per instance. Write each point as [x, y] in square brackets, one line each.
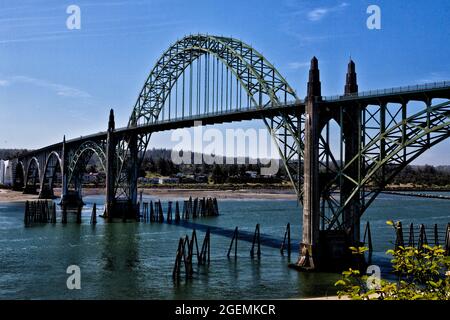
[336, 173]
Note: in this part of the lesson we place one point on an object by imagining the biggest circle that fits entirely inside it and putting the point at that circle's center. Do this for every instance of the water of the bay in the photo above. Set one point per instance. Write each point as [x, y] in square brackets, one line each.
[135, 260]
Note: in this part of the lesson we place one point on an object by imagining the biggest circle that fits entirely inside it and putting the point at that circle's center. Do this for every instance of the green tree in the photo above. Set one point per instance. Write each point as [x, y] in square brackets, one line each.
[423, 274]
[218, 175]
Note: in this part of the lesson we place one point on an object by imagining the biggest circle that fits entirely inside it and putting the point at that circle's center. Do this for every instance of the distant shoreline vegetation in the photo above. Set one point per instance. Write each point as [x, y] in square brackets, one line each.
[157, 164]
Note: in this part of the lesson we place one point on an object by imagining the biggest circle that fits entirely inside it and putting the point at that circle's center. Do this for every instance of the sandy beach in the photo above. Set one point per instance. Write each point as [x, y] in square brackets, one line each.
[7, 195]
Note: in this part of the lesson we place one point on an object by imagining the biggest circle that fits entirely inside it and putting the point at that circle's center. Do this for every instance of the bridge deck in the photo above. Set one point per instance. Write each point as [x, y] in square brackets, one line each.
[392, 95]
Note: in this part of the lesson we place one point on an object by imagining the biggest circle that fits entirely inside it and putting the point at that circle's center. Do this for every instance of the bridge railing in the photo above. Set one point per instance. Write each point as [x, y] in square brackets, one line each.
[218, 113]
[390, 91]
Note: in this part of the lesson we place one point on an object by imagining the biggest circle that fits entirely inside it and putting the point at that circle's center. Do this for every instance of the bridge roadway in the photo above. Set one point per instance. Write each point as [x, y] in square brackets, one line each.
[374, 97]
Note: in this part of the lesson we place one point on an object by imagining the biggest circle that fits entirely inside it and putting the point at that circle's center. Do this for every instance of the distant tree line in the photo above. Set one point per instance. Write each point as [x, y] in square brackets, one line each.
[6, 154]
[159, 162]
[424, 175]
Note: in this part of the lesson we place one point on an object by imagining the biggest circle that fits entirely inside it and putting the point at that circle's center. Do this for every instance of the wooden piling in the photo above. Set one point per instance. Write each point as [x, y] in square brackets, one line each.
[368, 240]
[287, 237]
[206, 246]
[216, 207]
[161, 212]
[177, 212]
[27, 214]
[436, 235]
[178, 258]
[411, 241]
[94, 214]
[53, 220]
[79, 209]
[169, 212]
[191, 250]
[64, 215]
[235, 237]
[194, 211]
[138, 212]
[256, 239]
[152, 212]
[422, 237]
[447, 240]
[399, 240]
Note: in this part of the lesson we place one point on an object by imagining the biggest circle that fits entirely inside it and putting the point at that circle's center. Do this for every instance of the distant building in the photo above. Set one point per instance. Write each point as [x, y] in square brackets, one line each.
[3, 165]
[169, 180]
[8, 180]
[93, 177]
[252, 174]
[201, 179]
[190, 178]
[148, 180]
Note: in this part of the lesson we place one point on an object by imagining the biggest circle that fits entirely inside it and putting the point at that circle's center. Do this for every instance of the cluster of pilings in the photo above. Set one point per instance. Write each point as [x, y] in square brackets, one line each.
[185, 254]
[42, 211]
[153, 211]
[420, 235]
[203, 207]
[39, 211]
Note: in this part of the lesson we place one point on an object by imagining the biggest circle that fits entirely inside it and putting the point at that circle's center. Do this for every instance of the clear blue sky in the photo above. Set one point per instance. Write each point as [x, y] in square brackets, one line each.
[55, 81]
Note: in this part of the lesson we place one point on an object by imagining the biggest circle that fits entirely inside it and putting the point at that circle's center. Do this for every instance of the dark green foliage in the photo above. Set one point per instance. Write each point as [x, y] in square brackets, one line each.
[422, 274]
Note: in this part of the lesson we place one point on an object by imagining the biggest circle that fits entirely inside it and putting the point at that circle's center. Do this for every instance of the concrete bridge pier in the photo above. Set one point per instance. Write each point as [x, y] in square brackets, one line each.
[309, 247]
[123, 208]
[133, 177]
[110, 169]
[353, 137]
[323, 249]
[69, 198]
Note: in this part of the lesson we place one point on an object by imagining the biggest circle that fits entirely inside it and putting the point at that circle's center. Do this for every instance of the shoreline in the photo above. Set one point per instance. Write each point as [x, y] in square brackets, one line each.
[234, 192]
[8, 195]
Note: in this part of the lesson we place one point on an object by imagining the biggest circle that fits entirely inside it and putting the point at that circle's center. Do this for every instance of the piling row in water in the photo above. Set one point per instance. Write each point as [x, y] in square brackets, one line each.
[153, 211]
[40, 211]
[43, 211]
[204, 207]
[418, 195]
[188, 247]
[440, 236]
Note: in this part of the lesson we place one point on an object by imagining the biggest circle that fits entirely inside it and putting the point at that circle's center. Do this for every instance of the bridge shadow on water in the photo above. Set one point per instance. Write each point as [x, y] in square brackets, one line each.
[265, 240]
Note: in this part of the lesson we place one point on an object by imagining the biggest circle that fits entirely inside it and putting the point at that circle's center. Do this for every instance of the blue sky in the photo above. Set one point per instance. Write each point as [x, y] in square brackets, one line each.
[55, 81]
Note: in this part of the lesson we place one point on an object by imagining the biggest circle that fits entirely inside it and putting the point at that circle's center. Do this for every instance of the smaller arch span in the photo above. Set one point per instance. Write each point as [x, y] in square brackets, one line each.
[81, 157]
[33, 175]
[19, 176]
[53, 166]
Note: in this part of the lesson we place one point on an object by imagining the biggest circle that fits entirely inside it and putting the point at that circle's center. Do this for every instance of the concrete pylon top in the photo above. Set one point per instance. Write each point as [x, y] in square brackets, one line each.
[351, 84]
[314, 85]
[111, 123]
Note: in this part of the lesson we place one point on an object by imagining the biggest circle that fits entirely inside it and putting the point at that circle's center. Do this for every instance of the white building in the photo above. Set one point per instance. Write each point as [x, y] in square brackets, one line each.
[168, 180]
[8, 181]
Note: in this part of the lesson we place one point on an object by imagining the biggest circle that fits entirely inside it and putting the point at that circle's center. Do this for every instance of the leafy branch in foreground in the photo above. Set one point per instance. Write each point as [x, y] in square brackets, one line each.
[422, 274]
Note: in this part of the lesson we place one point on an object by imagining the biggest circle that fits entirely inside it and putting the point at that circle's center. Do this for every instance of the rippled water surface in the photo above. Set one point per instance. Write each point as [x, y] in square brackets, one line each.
[135, 260]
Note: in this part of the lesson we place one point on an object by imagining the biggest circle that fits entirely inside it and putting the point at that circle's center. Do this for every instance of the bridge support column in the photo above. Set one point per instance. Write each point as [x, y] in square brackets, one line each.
[64, 183]
[69, 198]
[352, 137]
[311, 196]
[110, 168]
[133, 175]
